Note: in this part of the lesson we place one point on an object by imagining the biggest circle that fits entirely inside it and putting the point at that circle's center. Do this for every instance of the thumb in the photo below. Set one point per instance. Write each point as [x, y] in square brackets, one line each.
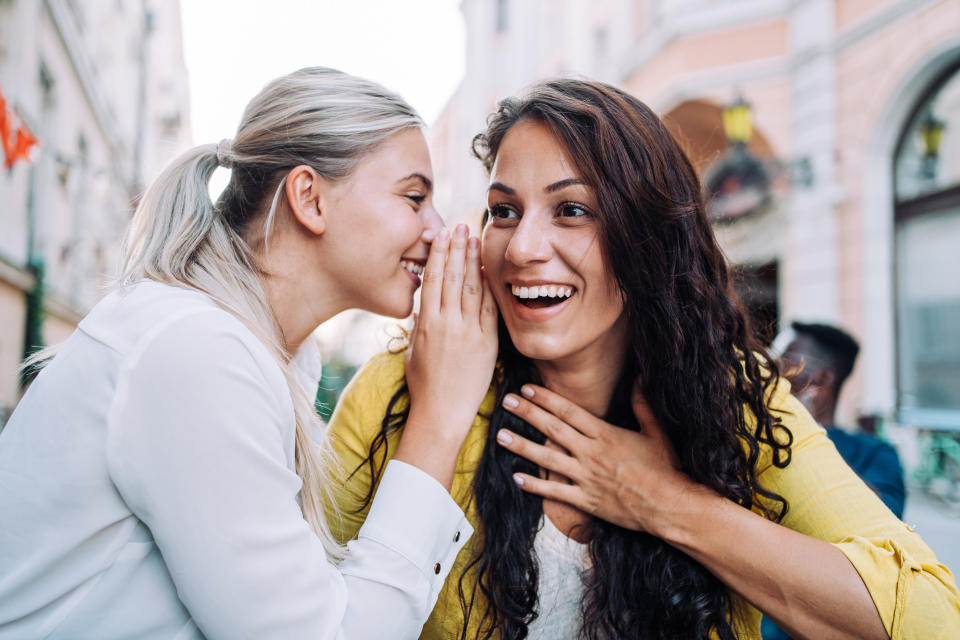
[643, 412]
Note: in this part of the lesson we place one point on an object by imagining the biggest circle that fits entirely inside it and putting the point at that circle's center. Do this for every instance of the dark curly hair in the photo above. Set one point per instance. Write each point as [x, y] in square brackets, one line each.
[699, 365]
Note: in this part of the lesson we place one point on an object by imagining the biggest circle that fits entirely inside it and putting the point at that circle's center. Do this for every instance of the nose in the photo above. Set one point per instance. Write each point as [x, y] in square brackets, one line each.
[431, 219]
[529, 243]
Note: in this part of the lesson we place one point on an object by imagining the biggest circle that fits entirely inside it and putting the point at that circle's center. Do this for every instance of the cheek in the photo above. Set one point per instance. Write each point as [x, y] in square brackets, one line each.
[491, 253]
[599, 274]
[399, 227]
[602, 291]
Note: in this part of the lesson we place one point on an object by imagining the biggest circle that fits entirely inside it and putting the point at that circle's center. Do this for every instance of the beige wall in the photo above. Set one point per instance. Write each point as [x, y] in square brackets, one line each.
[716, 49]
[56, 329]
[59, 322]
[12, 317]
[847, 12]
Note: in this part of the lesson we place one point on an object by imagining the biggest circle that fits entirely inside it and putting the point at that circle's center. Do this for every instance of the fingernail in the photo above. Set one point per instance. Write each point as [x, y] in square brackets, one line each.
[461, 231]
[518, 479]
[473, 244]
[527, 391]
[503, 437]
[429, 234]
[443, 235]
[510, 402]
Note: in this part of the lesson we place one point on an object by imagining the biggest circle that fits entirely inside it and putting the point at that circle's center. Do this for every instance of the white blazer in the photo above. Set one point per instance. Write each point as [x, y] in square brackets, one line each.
[147, 490]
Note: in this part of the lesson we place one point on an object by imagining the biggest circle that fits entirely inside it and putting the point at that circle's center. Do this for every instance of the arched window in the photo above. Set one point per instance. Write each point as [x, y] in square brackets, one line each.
[927, 258]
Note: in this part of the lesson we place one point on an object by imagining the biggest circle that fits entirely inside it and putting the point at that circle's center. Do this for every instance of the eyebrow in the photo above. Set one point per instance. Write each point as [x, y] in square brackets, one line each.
[550, 188]
[556, 186]
[427, 183]
[499, 186]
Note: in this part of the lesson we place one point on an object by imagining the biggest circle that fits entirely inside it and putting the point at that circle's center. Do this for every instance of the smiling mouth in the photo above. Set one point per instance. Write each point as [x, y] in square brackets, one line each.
[413, 267]
[542, 296]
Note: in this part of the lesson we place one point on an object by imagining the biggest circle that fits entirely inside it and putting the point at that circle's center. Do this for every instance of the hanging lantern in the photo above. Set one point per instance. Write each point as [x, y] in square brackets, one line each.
[738, 121]
[931, 132]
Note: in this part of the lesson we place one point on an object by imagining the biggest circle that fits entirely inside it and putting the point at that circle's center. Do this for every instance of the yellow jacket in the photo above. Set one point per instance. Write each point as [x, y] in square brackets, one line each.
[916, 596]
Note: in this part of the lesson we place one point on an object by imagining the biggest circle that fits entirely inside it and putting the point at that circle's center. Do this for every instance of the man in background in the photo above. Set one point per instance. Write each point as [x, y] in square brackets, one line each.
[827, 355]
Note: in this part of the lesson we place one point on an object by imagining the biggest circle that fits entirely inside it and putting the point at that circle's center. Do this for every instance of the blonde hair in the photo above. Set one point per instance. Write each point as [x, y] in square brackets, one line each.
[316, 116]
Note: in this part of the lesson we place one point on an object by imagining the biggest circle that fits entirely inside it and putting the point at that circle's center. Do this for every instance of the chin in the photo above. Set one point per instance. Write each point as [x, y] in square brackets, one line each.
[540, 347]
[399, 310]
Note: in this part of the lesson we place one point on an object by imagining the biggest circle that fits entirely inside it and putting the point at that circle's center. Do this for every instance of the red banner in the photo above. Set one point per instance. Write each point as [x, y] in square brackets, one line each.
[15, 137]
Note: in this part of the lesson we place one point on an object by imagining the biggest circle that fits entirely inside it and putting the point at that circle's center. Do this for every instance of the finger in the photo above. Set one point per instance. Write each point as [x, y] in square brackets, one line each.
[560, 432]
[453, 273]
[541, 455]
[472, 281]
[488, 309]
[574, 415]
[433, 274]
[568, 493]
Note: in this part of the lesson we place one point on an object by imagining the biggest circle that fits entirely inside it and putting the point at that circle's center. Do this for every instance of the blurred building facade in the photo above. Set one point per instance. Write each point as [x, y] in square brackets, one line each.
[103, 85]
[855, 112]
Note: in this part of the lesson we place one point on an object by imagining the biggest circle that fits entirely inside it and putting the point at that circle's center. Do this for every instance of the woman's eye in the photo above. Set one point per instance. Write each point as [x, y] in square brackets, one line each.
[573, 210]
[502, 212]
[416, 199]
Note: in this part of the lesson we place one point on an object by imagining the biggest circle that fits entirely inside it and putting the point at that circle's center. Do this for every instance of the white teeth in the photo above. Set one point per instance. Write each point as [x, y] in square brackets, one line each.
[543, 291]
[412, 267]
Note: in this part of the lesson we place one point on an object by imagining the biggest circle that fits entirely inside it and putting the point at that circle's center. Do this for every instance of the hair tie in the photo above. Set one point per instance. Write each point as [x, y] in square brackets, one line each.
[223, 153]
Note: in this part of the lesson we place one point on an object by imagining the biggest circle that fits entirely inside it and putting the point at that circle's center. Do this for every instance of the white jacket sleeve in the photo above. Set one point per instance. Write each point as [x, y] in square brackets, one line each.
[196, 448]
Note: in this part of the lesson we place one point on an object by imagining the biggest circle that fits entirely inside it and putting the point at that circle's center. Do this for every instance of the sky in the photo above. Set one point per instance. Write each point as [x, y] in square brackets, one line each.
[234, 47]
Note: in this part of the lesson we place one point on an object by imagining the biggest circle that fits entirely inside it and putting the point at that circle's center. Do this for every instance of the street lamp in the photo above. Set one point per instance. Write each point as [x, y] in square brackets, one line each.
[738, 182]
[737, 118]
[738, 121]
[931, 133]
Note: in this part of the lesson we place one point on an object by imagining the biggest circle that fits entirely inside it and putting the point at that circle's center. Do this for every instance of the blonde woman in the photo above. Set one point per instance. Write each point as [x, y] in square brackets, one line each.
[162, 476]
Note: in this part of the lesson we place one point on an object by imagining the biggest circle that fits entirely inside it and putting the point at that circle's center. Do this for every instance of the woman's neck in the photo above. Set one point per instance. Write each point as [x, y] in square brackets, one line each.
[292, 315]
[587, 379]
[291, 288]
[591, 389]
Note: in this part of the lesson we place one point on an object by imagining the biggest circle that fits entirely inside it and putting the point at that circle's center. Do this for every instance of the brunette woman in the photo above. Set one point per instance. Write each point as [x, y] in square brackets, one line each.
[715, 496]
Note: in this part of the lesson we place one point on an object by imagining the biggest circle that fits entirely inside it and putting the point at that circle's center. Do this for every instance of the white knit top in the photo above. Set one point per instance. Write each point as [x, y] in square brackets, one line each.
[563, 563]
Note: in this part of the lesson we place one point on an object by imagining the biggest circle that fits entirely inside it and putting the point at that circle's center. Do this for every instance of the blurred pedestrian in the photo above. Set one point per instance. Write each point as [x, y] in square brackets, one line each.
[160, 478]
[823, 357]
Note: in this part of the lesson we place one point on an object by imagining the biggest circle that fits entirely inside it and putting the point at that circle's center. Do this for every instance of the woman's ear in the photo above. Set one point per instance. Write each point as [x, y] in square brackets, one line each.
[304, 190]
